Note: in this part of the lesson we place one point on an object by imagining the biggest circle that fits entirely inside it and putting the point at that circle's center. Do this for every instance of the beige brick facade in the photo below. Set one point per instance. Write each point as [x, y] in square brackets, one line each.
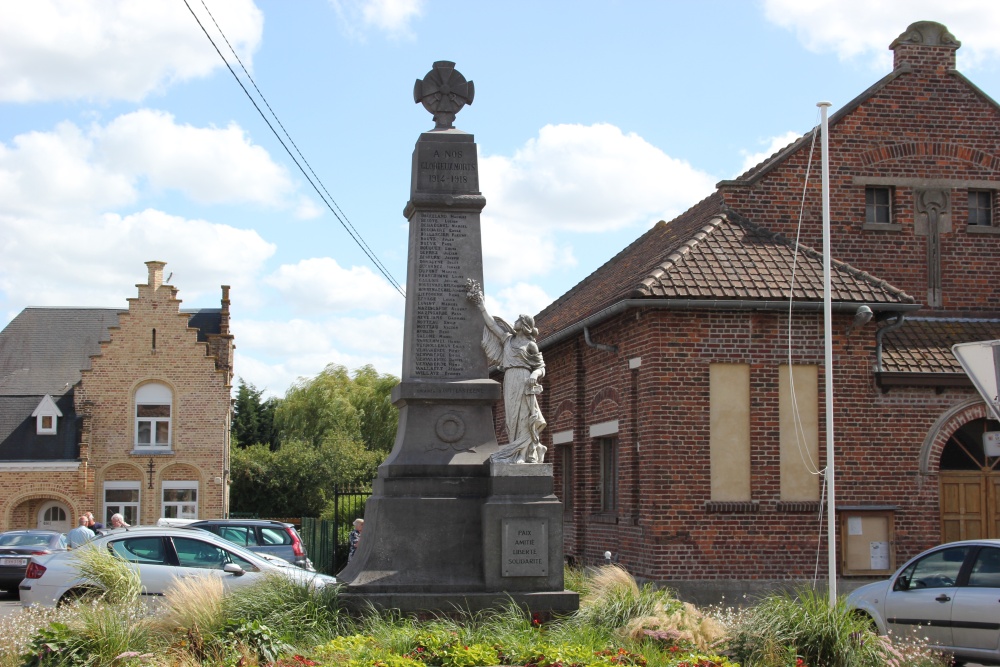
[183, 458]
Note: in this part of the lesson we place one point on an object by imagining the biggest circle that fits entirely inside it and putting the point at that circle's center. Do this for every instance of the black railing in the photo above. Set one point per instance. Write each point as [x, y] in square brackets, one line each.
[326, 540]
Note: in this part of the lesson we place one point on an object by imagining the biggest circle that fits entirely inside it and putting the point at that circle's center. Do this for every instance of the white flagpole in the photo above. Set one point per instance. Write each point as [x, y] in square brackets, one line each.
[831, 519]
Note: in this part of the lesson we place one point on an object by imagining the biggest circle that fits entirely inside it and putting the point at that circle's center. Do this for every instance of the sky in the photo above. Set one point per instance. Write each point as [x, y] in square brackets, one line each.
[124, 138]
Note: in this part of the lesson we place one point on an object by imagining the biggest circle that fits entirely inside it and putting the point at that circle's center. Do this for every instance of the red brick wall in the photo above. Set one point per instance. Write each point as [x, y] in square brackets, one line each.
[663, 529]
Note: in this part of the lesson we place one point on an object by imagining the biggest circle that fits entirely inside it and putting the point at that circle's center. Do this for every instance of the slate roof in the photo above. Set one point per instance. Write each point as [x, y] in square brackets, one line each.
[43, 349]
[710, 253]
[19, 440]
[923, 344]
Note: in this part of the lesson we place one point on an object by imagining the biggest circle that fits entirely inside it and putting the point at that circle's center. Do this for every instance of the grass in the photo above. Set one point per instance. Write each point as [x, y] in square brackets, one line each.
[283, 624]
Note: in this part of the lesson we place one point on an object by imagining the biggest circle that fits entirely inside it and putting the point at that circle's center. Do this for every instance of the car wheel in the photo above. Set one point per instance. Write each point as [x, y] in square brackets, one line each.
[78, 594]
[867, 619]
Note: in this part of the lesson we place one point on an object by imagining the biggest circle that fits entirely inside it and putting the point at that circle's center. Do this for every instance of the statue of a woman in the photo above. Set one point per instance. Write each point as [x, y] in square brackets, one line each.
[516, 353]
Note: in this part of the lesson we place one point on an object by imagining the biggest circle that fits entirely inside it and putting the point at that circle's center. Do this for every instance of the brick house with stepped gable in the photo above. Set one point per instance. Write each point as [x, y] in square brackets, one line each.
[112, 410]
[684, 391]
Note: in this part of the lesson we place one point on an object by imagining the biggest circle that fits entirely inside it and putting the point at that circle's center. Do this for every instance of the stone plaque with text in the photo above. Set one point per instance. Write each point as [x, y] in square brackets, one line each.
[525, 548]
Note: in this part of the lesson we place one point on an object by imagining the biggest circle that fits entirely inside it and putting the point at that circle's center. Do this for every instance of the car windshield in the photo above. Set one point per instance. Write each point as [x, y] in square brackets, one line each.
[24, 540]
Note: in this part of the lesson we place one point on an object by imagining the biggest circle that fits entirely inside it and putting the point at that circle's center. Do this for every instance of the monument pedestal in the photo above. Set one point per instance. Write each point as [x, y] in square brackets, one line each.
[481, 537]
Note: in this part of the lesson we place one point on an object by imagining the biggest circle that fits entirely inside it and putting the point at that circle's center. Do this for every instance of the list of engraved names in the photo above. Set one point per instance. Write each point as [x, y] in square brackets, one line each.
[440, 350]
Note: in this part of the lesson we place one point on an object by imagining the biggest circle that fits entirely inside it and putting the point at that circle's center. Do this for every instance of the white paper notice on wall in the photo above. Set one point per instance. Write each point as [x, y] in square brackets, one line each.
[880, 555]
[854, 525]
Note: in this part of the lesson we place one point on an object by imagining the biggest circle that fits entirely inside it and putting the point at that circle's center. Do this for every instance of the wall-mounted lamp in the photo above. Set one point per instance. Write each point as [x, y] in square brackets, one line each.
[861, 317]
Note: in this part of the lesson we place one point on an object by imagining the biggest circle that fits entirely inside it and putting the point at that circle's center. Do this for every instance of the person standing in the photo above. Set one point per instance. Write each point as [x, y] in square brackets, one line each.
[94, 525]
[354, 537]
[81, 534]
[118, 521]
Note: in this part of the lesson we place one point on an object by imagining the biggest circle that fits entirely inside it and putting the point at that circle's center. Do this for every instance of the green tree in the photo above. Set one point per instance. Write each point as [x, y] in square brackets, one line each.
[253, 418]
[333, 429]
[298, 479]
[334, 402]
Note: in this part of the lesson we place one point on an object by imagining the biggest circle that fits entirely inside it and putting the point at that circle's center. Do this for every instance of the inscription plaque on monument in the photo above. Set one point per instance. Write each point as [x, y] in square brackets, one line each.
[440, 350]
[525, 548]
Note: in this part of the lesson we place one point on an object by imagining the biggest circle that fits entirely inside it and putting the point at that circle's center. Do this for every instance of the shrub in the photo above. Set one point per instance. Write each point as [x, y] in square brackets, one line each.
[786, 627]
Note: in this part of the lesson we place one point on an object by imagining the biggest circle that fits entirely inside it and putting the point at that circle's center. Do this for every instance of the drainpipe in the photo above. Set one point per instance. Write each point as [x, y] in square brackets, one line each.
[900, 317]
[599, 346]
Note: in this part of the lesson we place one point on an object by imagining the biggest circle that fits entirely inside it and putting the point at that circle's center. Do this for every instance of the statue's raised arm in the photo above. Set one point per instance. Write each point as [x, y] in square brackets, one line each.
[515, 352]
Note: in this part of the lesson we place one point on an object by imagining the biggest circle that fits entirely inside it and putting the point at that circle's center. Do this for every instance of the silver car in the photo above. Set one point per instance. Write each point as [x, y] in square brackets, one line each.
[159, 555]
[949, 594]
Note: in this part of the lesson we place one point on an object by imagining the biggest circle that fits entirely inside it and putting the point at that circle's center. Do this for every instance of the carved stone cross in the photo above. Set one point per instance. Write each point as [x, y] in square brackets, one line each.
[443, 92]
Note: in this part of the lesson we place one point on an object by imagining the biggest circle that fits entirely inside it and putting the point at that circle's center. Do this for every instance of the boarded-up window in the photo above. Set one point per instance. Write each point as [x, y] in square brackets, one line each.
[798, 412]
[729, 418]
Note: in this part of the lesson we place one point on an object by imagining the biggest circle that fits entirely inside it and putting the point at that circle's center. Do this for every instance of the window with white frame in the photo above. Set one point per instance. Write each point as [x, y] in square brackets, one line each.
[46, 415]
[153, 403]
[121, 498]
[180, 500]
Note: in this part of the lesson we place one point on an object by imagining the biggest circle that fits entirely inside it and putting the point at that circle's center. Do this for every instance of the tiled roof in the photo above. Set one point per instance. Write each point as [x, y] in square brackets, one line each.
[711, 253]
[923, 344]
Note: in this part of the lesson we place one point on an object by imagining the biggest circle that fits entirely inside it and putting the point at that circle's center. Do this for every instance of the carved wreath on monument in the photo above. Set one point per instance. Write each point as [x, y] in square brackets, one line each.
[514, 350]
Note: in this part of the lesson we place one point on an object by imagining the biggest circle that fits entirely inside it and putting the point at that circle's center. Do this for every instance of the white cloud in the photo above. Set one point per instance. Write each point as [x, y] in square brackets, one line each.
[55, 171]
[210, 165]
[93, 261]
[320, 283]
[774, 144]
[114, 49]
[392, 17]
[273, 354]
[101, 168]
[862, 29]
[518, 299]
[576, 178]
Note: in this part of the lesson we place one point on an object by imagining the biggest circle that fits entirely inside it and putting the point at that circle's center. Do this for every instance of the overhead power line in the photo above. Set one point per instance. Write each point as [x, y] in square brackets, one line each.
[307, 170]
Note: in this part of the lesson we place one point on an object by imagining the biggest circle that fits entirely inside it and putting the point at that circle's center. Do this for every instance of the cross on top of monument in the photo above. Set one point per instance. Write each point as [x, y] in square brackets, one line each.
[443, 92]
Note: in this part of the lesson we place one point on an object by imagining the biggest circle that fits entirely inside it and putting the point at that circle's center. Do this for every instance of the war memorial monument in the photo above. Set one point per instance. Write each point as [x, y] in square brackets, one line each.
[455, 521]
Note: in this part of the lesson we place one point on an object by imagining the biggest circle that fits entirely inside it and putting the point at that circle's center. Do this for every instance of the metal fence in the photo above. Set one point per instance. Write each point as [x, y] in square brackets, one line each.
[326, 540]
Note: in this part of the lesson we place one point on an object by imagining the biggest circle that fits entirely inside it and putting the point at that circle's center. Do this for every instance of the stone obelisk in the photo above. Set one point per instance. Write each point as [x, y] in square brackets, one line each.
[441, 518]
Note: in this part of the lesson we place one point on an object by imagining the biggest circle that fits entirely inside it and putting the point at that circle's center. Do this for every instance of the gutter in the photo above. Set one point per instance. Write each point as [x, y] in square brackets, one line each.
[715, 304]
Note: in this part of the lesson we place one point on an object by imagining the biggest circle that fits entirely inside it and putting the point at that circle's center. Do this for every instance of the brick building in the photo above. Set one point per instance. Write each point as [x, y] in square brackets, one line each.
[685, 388]
[113, 410]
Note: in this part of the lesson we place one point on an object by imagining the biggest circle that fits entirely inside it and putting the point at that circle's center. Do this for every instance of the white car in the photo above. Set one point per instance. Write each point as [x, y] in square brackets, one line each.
[949, 594]
[158, 555]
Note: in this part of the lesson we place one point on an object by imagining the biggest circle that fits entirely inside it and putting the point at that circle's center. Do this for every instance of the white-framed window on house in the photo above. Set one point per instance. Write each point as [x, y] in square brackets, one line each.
[180, 500]
[153, 410]
[46, 415]
[122, 498]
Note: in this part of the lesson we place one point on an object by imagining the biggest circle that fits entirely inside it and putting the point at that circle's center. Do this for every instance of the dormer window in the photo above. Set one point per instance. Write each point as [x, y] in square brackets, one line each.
[46, 416]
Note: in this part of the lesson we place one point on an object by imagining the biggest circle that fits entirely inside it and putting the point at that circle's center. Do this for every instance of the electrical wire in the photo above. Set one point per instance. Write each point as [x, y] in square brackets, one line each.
[310, 175]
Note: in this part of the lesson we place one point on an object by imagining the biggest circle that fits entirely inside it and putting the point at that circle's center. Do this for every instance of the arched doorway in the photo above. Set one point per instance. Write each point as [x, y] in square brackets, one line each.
[970, 485]
[54, 515]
